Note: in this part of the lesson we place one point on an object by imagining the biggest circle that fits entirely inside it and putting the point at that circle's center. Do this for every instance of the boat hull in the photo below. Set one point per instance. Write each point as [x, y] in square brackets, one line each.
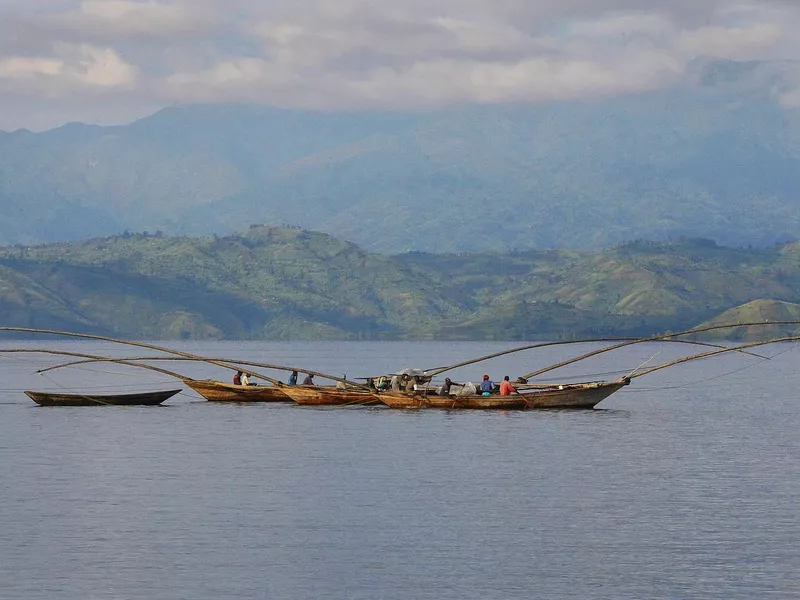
[400, 400]
[139, 399]
[585, 395]
[218, 391]
[330, 396]
[582, 395]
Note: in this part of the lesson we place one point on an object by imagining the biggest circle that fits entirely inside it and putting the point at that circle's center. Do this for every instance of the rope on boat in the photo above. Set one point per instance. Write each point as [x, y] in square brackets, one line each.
[85, 397]
[629, 375]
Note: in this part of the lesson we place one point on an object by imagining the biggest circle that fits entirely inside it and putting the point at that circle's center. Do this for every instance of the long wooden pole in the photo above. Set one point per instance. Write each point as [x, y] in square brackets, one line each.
[440, 370]
[201, 359]
[92, 357]
[655, 338]
[103, 338]
[791, 338]
[232, 365]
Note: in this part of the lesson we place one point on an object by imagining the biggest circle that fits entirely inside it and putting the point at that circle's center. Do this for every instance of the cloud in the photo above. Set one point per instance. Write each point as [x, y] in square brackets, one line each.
[117, 19]
[71, 68]
[359, 53]
[734, 43]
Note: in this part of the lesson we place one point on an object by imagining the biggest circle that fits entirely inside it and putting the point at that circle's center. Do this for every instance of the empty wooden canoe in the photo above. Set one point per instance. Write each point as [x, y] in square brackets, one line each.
[138, 399]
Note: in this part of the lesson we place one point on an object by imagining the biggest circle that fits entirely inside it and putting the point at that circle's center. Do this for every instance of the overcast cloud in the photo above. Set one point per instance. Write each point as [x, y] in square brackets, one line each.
[107, 61]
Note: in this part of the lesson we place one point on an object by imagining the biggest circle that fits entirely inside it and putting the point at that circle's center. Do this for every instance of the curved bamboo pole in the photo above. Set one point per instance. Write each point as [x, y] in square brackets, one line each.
[91, 357]
[440, 370]
[90, 336]
[201, 359]
[234, 366]
[656, 338]
[791, 338]
[175, 358]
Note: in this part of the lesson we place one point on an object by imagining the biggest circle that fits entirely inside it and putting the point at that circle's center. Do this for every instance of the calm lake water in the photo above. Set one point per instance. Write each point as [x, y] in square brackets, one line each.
[686, 484]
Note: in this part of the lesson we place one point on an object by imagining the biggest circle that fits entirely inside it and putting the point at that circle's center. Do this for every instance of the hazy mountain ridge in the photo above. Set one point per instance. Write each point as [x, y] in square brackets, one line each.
[279, 283]
[698, 163]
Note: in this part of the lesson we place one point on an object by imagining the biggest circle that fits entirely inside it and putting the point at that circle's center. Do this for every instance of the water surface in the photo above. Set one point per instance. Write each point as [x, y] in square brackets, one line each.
[683, 485]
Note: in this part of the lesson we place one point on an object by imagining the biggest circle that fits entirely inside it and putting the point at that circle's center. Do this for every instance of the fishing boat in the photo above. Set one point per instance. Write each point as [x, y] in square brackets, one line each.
[410, 388]
[138, 399]
[567, 395]
[219, 391]
[330, 395]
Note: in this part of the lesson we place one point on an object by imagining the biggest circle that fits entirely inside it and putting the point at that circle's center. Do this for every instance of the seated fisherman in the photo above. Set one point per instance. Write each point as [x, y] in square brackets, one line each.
[506, 389]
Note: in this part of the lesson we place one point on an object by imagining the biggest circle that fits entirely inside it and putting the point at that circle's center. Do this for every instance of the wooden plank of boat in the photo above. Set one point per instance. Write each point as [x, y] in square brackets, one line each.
[494, 402]
[138, 399]
[329, 395]
[219, 391]
[576, 395]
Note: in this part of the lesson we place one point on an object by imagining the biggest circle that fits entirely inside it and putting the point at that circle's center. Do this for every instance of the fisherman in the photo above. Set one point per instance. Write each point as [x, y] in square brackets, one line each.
[237, 379]
[244, 379]
[487, 385]
[293, 378]
[407, 383]
[445, 389]
[506, 389]
[395, 383]
[309, 380]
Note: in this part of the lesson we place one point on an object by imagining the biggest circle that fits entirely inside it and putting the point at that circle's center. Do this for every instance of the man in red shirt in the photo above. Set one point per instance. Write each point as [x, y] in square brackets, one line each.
[506, 388]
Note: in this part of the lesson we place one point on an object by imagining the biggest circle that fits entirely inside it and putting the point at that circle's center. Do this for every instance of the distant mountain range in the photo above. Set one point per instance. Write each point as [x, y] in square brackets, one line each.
[288, 283]
[703, 162]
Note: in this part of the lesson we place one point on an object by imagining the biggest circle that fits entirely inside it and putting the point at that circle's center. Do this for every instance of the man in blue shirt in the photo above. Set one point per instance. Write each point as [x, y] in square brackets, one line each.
[487, 385]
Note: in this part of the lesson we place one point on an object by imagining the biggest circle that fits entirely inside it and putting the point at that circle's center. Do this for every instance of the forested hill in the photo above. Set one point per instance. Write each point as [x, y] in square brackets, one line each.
[288, 283]
[701, 162]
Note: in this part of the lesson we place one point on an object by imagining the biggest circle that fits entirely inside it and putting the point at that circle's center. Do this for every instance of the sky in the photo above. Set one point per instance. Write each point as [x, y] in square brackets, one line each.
[113, 61]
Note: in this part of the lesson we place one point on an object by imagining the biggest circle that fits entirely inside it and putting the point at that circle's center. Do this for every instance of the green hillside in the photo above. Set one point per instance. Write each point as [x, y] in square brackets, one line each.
[289, 283]
[755, 312]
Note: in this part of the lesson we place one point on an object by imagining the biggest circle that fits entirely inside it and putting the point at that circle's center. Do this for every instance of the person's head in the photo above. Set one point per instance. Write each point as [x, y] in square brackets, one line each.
[447, 380]
[311, 376]
[505, 378]
[486, 378]
[294, 373]
[239, 373]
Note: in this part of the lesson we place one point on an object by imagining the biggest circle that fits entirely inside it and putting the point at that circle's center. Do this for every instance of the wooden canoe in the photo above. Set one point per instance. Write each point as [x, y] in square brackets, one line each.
[138, 399]
[329, 395]
[219, 391]
[568, 395]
